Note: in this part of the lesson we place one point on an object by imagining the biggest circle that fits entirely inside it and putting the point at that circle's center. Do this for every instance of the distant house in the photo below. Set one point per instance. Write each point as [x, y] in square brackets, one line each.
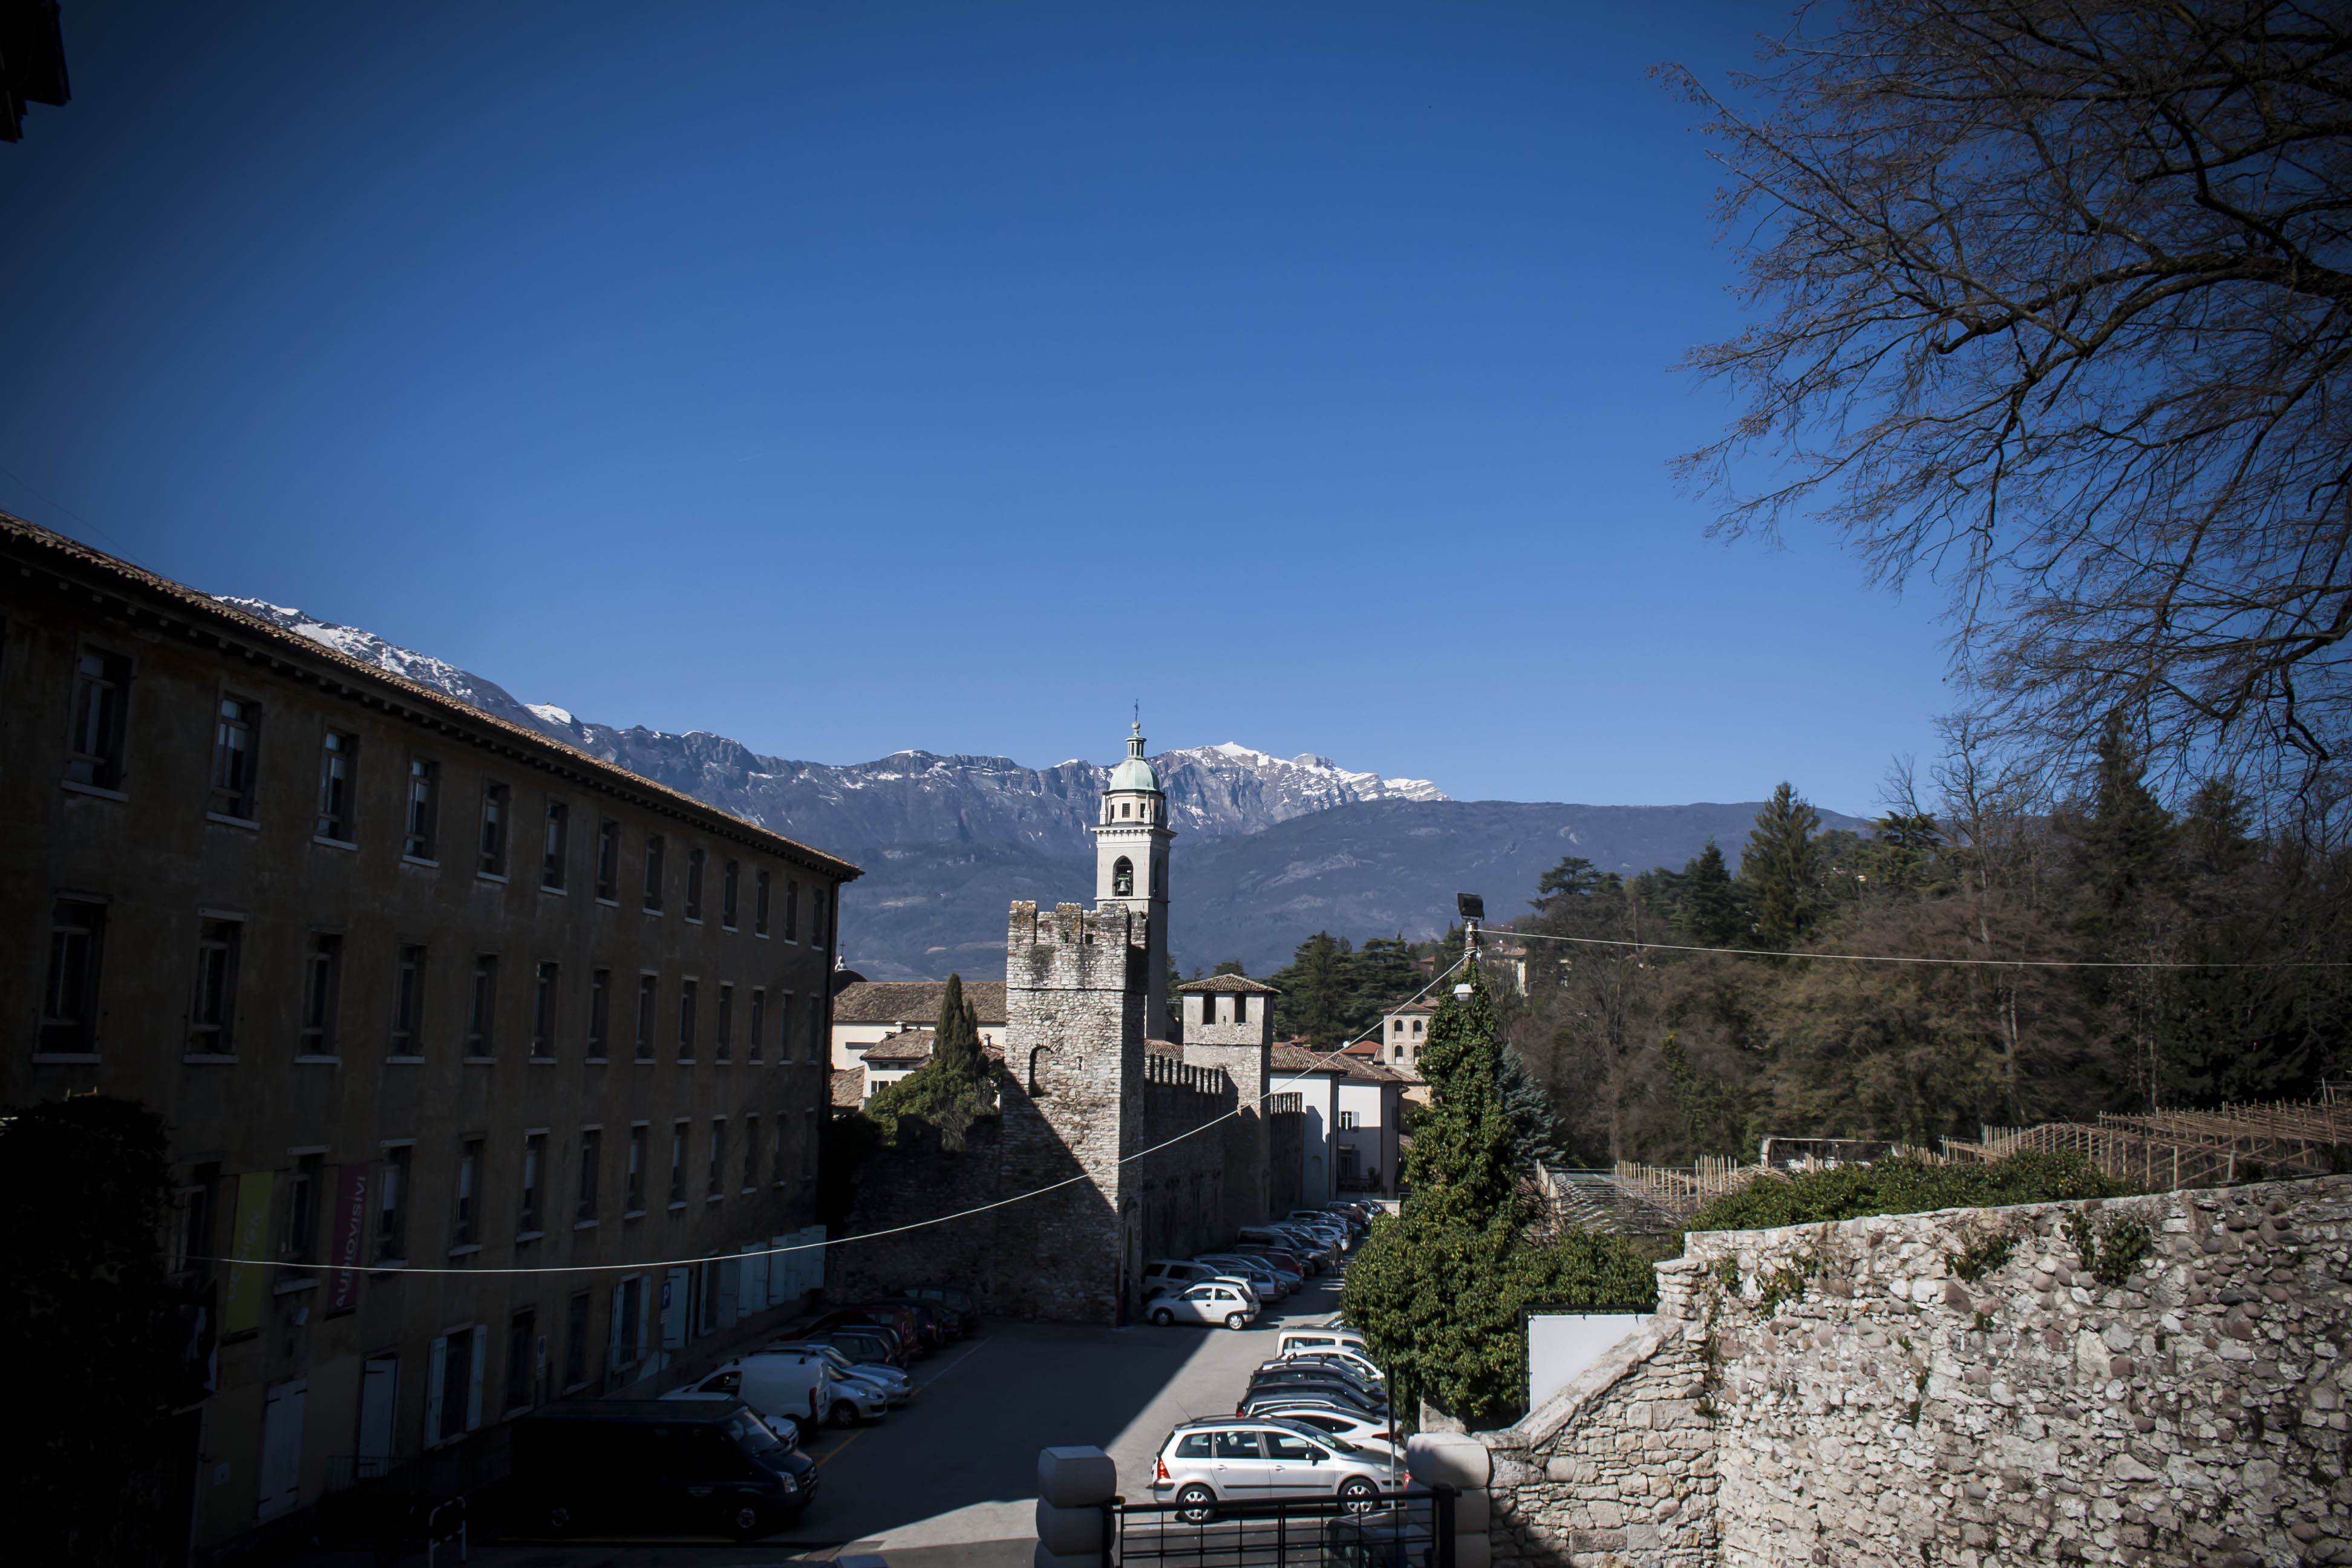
[867, 1012]
[893, 1057]
[1403, 1031]
[1352, 1108]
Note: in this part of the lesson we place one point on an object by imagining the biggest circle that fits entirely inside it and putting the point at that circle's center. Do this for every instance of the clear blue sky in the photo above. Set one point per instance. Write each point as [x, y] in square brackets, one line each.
[846, 378]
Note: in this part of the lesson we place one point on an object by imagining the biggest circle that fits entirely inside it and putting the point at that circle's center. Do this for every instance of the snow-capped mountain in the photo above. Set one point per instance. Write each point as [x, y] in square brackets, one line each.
[909, 798]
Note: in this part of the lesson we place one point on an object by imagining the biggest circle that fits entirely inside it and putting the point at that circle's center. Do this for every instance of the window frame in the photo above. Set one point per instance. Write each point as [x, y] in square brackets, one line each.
[338, 784]
[555, 847]
[695, 862]
[546, 1006]
[51, 1038]
[101, 770]
[497, 819]
[760, 890]
[654, 874]
[317, 1036]
[231, 799]
[212, 1029]
[420, 814]
[730, 879]
[600, 1012]
[410, 967]
[585, 1210]
[530, 1212]
[395, 1185]
[482, 1010]
[465, 1195]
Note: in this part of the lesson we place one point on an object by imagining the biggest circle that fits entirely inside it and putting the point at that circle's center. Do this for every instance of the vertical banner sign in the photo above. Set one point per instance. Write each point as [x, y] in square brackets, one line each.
[349, 1238]
[248, 1237]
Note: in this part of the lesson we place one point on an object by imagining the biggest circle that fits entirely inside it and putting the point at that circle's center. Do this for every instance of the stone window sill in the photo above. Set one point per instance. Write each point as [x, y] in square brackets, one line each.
[404, 1061]
[406, 859]
[318, 1059]
[529, 1235]
[583, 1224]
[465, 1250]
[225, 820]
[479, 1061]
[498, 876]
[63, 1057]
[100, 790]
[204, 1059]
[322, 838]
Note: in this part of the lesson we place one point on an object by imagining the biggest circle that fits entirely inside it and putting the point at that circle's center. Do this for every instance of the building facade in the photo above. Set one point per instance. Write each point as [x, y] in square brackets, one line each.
[421, 994]
[867, 1012]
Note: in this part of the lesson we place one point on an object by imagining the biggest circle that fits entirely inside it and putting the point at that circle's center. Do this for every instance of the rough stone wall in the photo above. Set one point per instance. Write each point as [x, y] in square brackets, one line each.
[1965, 1387]
[1285, 1157]
[1179, 1185]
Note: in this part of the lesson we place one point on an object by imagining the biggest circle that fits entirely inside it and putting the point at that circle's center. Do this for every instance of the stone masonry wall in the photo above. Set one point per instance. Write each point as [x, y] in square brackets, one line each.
[1965, 1387]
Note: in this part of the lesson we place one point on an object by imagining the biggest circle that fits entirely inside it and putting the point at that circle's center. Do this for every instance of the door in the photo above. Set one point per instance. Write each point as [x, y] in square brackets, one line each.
[1239, 1467]
[1294, 1467]
[676, 1286]
[379, 1399]
[281, 1450]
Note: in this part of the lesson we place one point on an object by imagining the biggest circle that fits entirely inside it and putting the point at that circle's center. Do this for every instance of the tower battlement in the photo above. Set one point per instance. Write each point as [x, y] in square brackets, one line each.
[1073, 947]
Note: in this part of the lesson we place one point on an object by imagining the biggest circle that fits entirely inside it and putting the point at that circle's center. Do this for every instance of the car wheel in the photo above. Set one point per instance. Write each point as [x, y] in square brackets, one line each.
[844, 1414]
[1163, 1317]
[559, 1520]
[1236, 1321]
[1196, 1504]
[746, 1522]
[1357, 1495]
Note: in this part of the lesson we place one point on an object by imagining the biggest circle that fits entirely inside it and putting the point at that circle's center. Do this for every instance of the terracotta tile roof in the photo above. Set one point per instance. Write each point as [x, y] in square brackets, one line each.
[143, 590]
[848, 1087]
[915, 1002]
[1295, 1060]
[1425, 1004]
[907, 1048]
[1230, 982]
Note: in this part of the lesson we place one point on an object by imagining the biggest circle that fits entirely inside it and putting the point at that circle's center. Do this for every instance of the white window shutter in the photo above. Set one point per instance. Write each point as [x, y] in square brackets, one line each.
[436, 1364]
[473, 1381]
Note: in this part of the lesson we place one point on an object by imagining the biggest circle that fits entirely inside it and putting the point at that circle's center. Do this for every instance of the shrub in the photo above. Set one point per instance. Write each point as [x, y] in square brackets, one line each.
[1905, 1186]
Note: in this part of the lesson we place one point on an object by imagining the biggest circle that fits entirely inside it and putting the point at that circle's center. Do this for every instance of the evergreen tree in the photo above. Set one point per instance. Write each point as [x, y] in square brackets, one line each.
[1315, 1002]
[1227, 966]
[1380, 975]
[957, 1055]
[1534, 1132]
[1710, 912]
[1573, 878]
[1782, 867]
[1460, 1165]
[950, 1090]
[2127, 842]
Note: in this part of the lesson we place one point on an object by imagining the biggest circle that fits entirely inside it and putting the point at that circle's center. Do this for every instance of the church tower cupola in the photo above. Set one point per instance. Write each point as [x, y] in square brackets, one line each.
[1131, 863]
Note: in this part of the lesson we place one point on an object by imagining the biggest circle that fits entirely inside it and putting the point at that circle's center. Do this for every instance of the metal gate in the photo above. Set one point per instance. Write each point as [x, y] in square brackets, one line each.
[1415, 1531]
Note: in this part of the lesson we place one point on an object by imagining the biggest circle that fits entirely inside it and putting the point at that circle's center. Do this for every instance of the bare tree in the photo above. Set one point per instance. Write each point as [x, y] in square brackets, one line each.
[2060, 306]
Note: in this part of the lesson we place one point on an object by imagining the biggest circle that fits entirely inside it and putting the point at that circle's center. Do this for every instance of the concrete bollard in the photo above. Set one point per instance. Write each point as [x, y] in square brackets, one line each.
[1072, 1486]
[1463, 1463]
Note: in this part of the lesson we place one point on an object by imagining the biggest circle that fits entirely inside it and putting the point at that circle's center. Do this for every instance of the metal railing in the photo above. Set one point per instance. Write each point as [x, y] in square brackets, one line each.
[1414, 1530]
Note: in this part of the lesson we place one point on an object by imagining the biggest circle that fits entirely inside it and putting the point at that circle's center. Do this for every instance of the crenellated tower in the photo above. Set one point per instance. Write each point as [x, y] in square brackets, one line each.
[1131, 839]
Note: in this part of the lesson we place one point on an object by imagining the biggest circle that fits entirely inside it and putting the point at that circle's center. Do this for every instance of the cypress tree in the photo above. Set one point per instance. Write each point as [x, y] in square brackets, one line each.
[1710, 912]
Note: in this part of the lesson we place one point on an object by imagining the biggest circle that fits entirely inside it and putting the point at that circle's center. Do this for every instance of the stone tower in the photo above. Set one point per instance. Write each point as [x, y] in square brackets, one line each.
[1131, 867]
[1229, 1025]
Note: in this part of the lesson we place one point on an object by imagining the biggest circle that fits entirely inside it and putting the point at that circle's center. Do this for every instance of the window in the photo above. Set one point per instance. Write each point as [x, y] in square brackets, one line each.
[1397, 1026]
[391, 1205]
[647, 987]
[1346, 1120]
[776, 1154]
[760, 902]
[534, 1162]
[750, 1151]
[608, 860]
[677, 1164]
[492, 859]
[212, 1016]
[522, 1332]
[553, 837]
[542, 1013]
[791, 910]
[467, 1226]
[694, 884]
[321, 985]
[808, 1142]
[1296, 1450]
[629, 1325]
[685, 993]
[592, 1154]
[653, 873]
[453, 1395]
[575, 1342]
[600, 1012]
[817, 924]
[758, 1019]
[1416, 1026]
[424, 789]
[193, 1222]
[1238, 1445]
[730, 880]
[1241, 1007]
[94, 748]
[1122, 877]
[299, 1242]
[1193, 1446]
[634, 1202]
[784, 1027]
[233, 742]
[408, 1003]
[484, 1011]
[723, 1048]
[716, 1187]
[338, 757]
[70, 994]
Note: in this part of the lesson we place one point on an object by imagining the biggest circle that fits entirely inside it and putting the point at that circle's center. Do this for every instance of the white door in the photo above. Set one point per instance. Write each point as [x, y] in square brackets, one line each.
[379, 1399]
[281, 1450]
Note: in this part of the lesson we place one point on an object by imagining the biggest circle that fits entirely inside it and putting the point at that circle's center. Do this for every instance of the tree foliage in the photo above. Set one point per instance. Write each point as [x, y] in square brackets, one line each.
[1333, 992]
[1905, 1186]
[2056, 304]
[952, 1089]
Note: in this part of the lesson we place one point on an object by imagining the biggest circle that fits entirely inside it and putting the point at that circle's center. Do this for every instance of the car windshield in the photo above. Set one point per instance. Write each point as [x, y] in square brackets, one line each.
[749, 1434]
[1316, 1433]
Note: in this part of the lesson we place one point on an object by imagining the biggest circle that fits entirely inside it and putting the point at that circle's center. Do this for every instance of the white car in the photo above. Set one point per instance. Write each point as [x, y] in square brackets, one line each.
[1215, 1302]
[1162, 1279]
[1244, 1460]
[1362, 1430]
[1320, 1339]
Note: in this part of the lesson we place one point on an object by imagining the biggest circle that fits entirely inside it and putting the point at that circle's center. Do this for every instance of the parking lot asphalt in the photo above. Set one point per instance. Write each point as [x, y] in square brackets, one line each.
[953, 1478]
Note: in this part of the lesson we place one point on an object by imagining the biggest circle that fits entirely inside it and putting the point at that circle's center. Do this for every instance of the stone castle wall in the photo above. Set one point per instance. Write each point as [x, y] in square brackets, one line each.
[1962, 1387]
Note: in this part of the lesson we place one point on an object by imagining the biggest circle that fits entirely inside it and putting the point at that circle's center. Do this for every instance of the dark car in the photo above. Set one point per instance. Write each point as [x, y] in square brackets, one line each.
[898, 1319]
[1300, 1370]
[1290, 1262]
[956, 1302]
[869, 1342]
[649, 1464]
[1337, 1396]
[931, 1320]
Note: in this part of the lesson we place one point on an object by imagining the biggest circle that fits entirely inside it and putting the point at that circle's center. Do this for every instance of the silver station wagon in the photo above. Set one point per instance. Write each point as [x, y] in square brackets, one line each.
[1206, 1464]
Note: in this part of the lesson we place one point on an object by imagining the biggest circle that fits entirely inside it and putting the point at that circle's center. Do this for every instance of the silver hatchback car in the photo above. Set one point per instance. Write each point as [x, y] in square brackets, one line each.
[1241, 1459]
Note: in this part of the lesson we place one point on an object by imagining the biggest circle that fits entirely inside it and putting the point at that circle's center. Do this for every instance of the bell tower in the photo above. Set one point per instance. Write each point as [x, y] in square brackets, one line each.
[1132, 867]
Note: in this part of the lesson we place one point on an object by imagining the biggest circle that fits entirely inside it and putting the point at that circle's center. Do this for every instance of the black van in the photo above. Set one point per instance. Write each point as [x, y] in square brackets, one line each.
[657, 1464]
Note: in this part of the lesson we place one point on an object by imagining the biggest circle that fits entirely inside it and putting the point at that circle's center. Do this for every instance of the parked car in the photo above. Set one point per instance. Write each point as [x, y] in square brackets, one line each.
[1286, 1261]
[652, 1465]
[1337, 1396]
[1325, 1244]
[1204, 1464]
[956, 1302]
[1263, 1277]
[1318, 1219]
[1213, 1301]
[930, 1331]
[898, 1319]
[1364, 1431]
[1355, 1360]
[867, 1344]
[1288, 1374]
[1170, 1276]
[784, 1386]
[893, 1386]
[1256, 1236]
[1318, 1339]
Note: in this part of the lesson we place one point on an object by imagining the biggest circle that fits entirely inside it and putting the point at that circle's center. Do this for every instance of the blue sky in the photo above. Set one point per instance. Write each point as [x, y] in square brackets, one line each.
[846, 378]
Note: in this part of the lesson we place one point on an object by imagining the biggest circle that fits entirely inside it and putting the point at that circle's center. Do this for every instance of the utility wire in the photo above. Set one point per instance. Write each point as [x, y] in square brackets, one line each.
[1298, 1075]
[1889, 958]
